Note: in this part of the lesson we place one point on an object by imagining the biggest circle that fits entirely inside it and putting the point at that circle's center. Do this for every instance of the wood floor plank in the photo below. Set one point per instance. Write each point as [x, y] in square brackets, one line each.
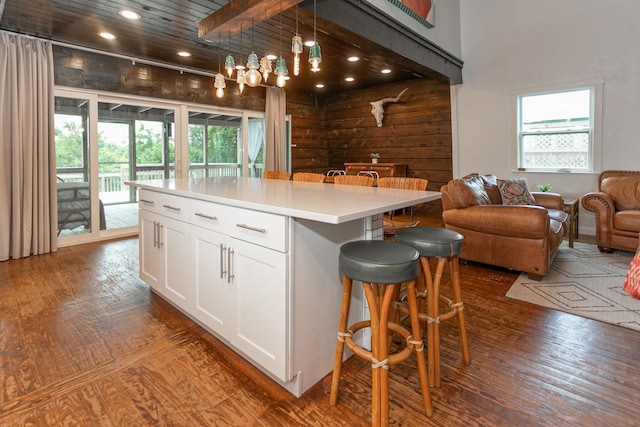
[84, 342]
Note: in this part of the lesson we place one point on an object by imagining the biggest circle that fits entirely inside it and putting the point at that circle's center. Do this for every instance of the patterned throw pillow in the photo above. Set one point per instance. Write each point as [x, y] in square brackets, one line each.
[632, 281]
[515, 192]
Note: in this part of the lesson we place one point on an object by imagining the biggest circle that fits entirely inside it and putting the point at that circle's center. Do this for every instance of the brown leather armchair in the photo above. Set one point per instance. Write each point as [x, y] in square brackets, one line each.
[617, 208]
[523, 237]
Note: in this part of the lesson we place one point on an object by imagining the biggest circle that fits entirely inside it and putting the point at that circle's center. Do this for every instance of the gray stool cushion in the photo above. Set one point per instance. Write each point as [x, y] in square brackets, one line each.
[378, 261]
[431, 241]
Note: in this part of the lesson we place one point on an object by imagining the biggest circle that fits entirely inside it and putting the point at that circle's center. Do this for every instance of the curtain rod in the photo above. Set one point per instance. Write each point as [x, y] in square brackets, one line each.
[117, 55]
[134, 59]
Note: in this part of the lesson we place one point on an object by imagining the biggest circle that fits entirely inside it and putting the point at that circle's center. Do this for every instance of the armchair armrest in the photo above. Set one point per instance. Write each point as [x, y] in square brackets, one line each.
[523, 221]
[602, 204]
[548, 200]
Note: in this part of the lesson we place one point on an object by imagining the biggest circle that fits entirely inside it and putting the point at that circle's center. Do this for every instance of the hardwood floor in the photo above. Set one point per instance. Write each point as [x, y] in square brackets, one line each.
[84, 342]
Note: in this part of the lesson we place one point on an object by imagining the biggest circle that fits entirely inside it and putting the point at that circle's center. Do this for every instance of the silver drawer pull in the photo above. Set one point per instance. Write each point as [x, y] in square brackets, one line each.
[248, 227]
[200, 214]
[151, 202]
[173, 208]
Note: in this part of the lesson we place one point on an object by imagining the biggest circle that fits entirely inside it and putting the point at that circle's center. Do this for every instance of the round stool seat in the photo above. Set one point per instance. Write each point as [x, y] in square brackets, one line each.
[431, 241]
[378, 261]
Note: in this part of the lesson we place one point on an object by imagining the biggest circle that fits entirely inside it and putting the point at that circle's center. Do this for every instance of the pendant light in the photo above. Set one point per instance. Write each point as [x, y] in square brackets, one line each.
[266, 67]
[219, 82]
[281, 64]
[241, 75]
[315, 56]
[296, 47]
[253, 74]
[229, 62]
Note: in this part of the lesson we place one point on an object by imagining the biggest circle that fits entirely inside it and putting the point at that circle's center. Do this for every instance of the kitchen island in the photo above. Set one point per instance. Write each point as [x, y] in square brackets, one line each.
[255, 262]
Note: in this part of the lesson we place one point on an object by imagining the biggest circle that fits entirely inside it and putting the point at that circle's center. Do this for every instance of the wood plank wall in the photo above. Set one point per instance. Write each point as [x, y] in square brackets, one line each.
[326, 131]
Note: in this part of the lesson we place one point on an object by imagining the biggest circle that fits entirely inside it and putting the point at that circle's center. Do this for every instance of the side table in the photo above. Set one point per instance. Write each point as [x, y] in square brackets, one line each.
[571, 206]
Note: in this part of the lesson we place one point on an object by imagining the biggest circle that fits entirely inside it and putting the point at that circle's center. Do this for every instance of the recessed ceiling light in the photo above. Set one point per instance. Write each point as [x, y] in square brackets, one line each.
[353, 59]
[107, 36]
[184, 53]
[272, 57]
[309, 43]
[319, 85]
[385, 71]
[349, 79]
[129, 14]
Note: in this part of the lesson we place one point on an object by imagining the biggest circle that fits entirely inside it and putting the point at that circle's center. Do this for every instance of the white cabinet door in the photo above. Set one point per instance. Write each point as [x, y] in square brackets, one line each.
[259, 297]
[178, 268]
[151, 256]
[209, 251]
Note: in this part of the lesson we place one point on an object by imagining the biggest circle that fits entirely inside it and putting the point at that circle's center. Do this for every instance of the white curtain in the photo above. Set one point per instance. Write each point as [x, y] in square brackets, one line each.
[256, 139]
[27, 160]
[275, 115]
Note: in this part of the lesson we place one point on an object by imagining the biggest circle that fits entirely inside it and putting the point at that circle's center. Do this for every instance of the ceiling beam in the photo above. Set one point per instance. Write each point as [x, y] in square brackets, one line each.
[240, 14]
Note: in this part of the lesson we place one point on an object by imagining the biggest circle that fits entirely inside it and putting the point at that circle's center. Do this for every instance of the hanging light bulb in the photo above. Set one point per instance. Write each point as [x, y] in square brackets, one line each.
[219, 84]
[253, 75]
[266, 67]
[296, 47]
[315, 56]
[229, 62]
[241, 79]
[281, 72]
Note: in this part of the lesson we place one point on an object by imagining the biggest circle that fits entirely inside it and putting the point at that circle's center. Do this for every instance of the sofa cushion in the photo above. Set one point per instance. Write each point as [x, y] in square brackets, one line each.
[468, 191]
[627, 221]
[491, 187]
[515, 192]
[625, 191]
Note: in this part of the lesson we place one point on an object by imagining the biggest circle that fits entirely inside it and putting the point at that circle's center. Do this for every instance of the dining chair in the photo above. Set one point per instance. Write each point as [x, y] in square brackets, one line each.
[404, 183]
[362, 180]
[276, 175]
[308, 177]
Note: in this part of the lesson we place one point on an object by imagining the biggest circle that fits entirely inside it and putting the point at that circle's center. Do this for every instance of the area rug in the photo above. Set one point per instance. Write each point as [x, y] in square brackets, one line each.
[584, 282]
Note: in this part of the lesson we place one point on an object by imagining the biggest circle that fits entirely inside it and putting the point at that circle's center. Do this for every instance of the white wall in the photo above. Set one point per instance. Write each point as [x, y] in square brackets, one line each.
[509, 45]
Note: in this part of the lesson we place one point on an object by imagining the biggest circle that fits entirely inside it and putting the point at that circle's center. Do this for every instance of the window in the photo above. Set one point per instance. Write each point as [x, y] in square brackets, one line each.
[557, 130]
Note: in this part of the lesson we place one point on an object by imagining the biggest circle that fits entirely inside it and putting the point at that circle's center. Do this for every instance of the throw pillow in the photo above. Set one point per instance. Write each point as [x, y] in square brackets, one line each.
[515, 192]
[632, 281]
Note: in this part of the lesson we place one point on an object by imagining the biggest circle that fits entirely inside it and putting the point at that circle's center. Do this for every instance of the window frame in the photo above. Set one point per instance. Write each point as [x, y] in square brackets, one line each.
[595, 131]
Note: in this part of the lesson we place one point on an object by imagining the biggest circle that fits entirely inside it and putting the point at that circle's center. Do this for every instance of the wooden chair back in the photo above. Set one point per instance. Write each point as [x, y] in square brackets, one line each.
[362, 180]
[308, 177]
[403, 183]
[276, 175]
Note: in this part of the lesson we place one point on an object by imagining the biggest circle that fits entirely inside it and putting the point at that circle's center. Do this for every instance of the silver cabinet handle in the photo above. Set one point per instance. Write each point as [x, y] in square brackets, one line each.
[173, 208]
[200, 214]
[230, 265]
[155, 234]
[223, 249]
[248, 227]
[151, 202]
[160, 242]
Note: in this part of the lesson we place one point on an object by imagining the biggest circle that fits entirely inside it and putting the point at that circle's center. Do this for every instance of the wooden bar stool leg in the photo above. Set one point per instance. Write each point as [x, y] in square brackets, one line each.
[383, 353]
[376, 387]
[419, 348]
[454, 271]
[433, 333]
[337, 362]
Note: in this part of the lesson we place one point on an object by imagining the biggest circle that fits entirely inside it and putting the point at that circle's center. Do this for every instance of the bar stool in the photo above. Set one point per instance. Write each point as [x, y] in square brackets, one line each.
[381, 267]
[445, 245]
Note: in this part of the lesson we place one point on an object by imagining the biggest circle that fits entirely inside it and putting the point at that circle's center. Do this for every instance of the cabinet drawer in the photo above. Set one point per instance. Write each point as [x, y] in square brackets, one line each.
[212, 216]
[261, 228]
[165, 204]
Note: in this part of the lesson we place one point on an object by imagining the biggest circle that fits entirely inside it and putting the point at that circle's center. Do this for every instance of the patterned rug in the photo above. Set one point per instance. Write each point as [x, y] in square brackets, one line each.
[584, 282]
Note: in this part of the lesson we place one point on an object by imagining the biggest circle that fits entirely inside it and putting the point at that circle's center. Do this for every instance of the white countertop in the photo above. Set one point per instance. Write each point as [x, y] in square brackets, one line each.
[329, 203]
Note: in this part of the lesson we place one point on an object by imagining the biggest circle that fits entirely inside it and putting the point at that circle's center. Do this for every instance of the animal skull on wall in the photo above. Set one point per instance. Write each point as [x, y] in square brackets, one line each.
[377, 107]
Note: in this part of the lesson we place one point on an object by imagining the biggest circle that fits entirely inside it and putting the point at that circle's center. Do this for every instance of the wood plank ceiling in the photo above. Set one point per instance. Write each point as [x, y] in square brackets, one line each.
[168, 26]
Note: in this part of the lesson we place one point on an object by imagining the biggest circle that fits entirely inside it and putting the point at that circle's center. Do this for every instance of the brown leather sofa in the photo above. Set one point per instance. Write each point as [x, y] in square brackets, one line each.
[617, 208]
[522, 237]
